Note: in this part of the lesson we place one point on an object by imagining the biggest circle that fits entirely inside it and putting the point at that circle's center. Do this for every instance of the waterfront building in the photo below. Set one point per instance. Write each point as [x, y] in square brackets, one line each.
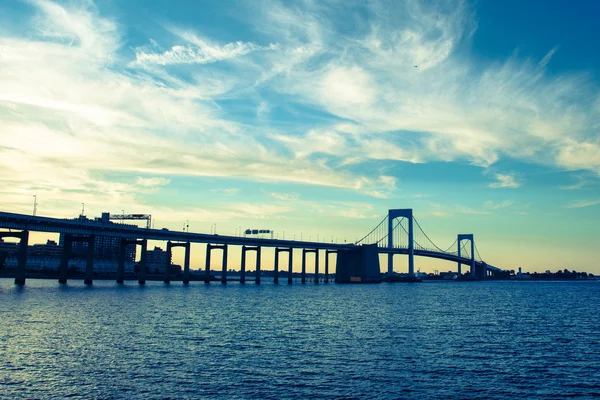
[8, 248]
[51, 263]
[156, 260]
[105, 247]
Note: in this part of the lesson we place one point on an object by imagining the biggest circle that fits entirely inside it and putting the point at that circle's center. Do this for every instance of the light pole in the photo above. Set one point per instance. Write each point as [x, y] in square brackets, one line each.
[34, 204]
[82, 209]
[187, 226]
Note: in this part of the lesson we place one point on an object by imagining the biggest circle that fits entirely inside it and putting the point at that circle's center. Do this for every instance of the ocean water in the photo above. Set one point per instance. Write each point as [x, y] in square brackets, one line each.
[430, 340]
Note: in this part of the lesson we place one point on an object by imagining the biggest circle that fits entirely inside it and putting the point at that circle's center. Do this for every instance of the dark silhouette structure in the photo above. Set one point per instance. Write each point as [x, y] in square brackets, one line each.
[357, 262]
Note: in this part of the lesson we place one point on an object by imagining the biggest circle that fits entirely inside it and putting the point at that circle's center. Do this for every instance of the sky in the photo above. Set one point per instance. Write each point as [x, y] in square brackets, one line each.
[311, 118]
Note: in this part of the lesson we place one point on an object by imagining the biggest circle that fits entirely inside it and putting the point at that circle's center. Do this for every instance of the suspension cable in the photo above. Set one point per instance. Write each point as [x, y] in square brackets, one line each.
[431, 241]
[374, 229]
[477, 251]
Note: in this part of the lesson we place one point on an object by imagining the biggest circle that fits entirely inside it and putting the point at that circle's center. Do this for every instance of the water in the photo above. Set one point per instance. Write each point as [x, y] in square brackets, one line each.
[430, 340]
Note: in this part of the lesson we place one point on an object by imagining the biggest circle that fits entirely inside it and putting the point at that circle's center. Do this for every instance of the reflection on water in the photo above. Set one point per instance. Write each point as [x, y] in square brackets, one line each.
[442, 340]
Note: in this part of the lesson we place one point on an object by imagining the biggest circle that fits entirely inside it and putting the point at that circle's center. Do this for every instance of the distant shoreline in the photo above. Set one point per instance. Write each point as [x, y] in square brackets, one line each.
[234, 276]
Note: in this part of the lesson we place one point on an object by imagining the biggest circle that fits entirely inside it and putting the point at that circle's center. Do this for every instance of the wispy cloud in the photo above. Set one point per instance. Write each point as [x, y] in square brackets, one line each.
[226, 191]
[201, 52]
[494, 205]
[76, 101]
[152, 182]
[285, 196]
[581, 181]
[583, 203]
[505, 181]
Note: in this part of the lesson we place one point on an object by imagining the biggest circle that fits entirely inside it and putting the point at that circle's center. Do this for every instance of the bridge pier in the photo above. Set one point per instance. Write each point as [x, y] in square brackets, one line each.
[22, 258]
[316, 266]
[327, 253]
[279, 250]
[63, 269]
[186, 261]
[143, 260]
[89, 266]
[209, 249]
[121, 264]
[167, 273]
[22, 254]
[243, 266]
[244, 250]
[304, 252]
[303, 274]
[224, 265]
[207, 264]
[290, 264]
[257, 279]
[276, 266]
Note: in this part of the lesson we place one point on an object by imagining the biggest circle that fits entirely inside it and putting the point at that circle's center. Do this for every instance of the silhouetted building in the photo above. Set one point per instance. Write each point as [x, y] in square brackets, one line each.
[105, 247]
[50, 249]
[8, 247]
[156, 260]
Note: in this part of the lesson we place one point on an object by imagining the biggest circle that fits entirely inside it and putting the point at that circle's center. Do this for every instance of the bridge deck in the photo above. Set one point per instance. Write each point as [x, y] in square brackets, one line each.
[56, 225]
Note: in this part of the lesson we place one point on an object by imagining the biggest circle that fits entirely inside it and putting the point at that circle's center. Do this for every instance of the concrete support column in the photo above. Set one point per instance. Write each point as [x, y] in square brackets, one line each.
[390, 242]
[207, 265]
[66, 255]
[276, 266]
[303, 275]
[167, 275]
[472, 258]
[186, 264]
[121, 265]
[290, 263]
[22, 258]
[316, 266]
[459, 263]
[258, 264]
[327, 253]
[89, 266]
[143, 262]
[411, 247]
[224, 268]
[243, 267]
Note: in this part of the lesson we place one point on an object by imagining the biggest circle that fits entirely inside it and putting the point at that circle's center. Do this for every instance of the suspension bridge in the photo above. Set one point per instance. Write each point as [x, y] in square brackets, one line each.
[397, 233]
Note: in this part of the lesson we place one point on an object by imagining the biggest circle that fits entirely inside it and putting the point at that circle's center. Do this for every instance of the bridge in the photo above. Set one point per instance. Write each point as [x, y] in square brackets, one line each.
[395, 234]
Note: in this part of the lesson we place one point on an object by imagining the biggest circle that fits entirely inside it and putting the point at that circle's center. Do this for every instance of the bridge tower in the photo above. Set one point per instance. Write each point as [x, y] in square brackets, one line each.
[392, 215]
[461, 237]
[22, 255]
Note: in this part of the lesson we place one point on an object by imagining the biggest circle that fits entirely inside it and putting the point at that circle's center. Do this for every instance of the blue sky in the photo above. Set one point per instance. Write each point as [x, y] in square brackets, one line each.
[312, 118]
